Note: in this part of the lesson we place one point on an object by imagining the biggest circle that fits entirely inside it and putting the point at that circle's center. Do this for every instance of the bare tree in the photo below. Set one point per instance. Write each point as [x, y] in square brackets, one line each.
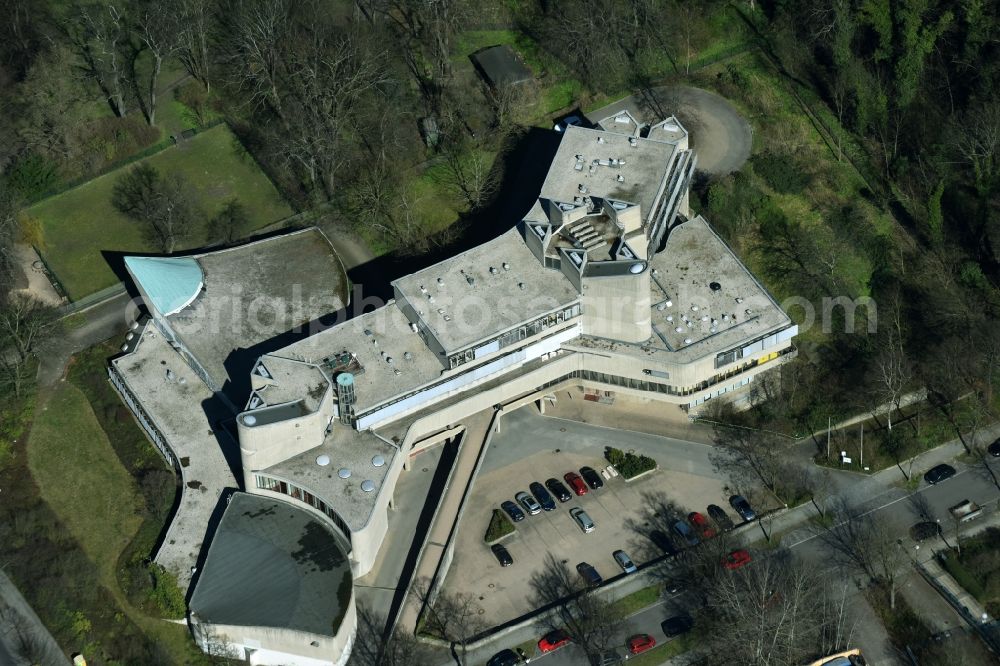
[100, 33]
[590, 622]
[158, 26]
[471, 172]
[862, 541]
[892, 370]
[194, 39]
[22, 637]
[162, 204]
[373, 648]
[746, 455]
[775, 611]
[456, 618]
[10, 210]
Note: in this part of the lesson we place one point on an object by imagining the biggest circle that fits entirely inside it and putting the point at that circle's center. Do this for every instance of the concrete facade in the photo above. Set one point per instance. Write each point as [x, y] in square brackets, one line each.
[609, 282]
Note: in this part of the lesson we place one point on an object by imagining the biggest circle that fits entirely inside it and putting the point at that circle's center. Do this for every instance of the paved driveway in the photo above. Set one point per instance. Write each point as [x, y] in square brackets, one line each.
[718, 133]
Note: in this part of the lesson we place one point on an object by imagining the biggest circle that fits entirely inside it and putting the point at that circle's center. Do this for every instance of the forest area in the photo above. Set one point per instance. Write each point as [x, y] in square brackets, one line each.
[874, 178]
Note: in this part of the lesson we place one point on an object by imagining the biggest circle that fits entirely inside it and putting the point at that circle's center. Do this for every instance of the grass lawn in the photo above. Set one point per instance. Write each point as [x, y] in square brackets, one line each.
[81, 223]
[81, 478]
[632, 603]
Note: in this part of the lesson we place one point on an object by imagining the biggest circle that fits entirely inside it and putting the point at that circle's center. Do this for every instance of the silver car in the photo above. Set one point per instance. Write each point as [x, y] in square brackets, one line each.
[529, 503]
[582, 519]
[624, 561]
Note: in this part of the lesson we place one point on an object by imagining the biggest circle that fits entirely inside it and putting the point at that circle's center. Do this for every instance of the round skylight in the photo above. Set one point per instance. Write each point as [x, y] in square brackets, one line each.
[636, 268]
[323, 460]
[367, 485]
[378, 461]
[249, 420]
[344, 473]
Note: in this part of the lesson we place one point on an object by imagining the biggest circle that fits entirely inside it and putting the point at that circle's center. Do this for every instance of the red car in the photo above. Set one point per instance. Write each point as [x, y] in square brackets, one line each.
[700, 523]
[640, 643]
[576, 483]
[736, 559]
[553, 641]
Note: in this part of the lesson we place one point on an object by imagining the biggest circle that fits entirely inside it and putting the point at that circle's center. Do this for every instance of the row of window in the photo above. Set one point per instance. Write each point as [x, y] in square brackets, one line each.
[515, 335]
[303, 495]
[655, 387]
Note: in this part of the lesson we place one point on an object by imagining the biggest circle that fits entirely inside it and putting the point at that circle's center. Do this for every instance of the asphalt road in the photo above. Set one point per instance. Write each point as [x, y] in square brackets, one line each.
[718, 133]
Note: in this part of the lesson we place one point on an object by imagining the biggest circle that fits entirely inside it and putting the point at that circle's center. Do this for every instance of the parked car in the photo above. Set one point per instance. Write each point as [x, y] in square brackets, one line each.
[737, 559]
[640, 643]
[677, 625]
[582, 519]
[528, 502]
[503, 557]
[994, 449]
[553, 641]
[556, 487]
[742, 507]
[504, 658]
[700, 523]
[591, 476]
[663, 542]
[513, 510]
[576, 483]
[624, 561]
[927, 529]
[543, 496]
[568, 121]
[685, 532]
[721, 518]
[589, 574]
[939, 473]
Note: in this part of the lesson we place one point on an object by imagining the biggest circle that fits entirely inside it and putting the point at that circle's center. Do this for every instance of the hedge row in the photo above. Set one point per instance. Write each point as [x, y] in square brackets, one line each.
[629, 465]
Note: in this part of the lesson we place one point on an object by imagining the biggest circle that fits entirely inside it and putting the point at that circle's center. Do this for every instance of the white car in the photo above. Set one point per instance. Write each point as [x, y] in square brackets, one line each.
[582, 519]
[567, 122]
[529, 503]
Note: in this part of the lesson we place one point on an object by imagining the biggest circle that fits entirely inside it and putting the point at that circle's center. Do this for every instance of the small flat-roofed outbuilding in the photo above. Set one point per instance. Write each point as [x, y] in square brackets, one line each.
[272, 565]
[501, 66]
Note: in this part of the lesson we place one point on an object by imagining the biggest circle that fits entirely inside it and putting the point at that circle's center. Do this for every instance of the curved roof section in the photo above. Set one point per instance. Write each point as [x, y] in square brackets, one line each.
[272, 564]
[171, 283]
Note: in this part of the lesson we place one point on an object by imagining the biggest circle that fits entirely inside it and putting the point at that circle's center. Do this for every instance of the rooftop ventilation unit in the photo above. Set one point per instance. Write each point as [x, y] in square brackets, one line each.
[600, 139]
[687, 341]
[423, 289]
[493, 270]
[506, 266]
[440, 282]
[520, 285]
[620, 178]
[408, 356]
[414, 327]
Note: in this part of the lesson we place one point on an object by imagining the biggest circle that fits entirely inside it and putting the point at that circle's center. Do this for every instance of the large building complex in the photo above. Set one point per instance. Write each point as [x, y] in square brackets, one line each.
[609, 282]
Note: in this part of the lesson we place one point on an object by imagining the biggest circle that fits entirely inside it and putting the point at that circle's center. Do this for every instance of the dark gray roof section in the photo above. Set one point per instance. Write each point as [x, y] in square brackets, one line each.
[273, 565]
[501, 66]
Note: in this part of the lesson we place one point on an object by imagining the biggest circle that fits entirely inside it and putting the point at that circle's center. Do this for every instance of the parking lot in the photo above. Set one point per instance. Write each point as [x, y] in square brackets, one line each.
[530, 448]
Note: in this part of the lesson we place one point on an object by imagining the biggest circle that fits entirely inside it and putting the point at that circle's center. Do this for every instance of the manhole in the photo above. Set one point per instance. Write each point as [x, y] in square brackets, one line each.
[562, 429]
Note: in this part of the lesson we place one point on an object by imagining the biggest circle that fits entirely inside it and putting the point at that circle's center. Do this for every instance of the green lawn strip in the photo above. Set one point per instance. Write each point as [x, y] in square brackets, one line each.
[81, 223]
[636, 601]
[80, 477]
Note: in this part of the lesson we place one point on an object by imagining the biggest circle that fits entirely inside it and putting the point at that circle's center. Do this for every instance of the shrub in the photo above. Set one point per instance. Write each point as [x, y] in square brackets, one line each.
[963, 576]
[33, 175]
[165, 592]
[629, 465]
[781, 173]
[500, 526]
